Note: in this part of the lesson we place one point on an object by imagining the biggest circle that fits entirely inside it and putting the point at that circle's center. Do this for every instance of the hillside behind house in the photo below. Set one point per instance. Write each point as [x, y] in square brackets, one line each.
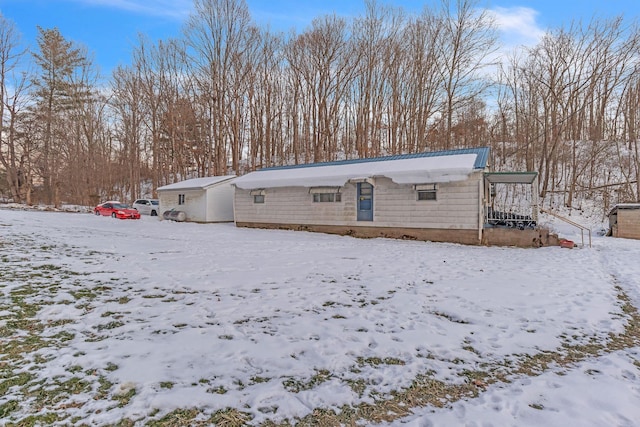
[229, 96]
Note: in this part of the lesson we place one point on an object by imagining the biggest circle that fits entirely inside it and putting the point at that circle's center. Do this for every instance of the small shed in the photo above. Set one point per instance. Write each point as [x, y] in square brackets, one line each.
[624, 221]
[208, 199]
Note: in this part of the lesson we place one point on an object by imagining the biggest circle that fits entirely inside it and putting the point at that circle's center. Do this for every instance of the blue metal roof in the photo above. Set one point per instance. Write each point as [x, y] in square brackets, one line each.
[482, 158]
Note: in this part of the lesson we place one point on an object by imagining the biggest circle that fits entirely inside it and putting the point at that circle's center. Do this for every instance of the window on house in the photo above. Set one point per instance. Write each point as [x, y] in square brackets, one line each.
[181, 199]
[258, 195]
[427, 191]
[327, 197]
[326, 194]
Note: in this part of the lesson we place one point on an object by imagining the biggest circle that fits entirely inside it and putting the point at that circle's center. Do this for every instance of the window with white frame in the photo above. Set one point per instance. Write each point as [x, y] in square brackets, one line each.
[326, 194]
[327, 197]
[181, 199]
[426, 192]
[258, 196]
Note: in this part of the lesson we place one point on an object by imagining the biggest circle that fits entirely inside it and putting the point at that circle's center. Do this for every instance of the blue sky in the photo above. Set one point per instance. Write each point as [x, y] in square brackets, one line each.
[108, 28]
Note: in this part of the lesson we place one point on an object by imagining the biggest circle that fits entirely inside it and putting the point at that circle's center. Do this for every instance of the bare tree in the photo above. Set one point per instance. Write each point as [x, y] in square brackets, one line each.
[129, 109]
[324, 64]
[217, 35]
[421, 85]
[466, 42]
[13, 82]
[267, 103]
[376, 35]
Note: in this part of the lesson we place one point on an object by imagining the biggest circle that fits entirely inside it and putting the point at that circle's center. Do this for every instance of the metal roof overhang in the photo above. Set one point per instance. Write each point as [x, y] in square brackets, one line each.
[510, 177]
[623, 206]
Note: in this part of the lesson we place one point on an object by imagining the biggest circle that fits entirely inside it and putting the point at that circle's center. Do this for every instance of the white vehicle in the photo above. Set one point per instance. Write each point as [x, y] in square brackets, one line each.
[147, 206]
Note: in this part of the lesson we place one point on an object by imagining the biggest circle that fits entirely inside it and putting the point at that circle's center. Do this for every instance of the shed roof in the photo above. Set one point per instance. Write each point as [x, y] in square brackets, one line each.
[197, 183]
[430, 167]
[624, 206]
[628, 206]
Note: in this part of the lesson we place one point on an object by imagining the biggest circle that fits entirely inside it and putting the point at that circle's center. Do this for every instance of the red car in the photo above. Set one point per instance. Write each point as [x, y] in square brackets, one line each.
[116, 210]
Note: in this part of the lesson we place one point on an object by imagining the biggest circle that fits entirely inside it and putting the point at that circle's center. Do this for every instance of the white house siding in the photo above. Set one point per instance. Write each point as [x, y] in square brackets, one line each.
[292, 205]
[456, 206]
[194, 203]
[628, 225]
[394, 205]
[220, 203]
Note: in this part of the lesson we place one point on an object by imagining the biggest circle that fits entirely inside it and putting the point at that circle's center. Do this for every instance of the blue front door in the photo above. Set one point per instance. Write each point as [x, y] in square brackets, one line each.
[365, 201]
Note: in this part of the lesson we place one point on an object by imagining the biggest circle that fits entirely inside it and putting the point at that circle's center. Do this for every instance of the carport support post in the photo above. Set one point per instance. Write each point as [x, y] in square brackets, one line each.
[534, 199]
[481, 184]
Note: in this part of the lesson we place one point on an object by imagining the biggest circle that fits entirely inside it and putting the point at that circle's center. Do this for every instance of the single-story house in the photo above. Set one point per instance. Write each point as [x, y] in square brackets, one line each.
[208, 199]
[437, 196]
[624, 221]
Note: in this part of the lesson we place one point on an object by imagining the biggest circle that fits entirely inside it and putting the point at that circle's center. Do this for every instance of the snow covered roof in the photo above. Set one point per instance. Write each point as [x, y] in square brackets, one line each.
[197, 183]
[432, 167]
[628, 206]
[623, 206]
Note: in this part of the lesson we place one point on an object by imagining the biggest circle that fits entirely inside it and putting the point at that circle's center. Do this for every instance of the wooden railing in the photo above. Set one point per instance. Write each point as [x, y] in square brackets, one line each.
[568, 221]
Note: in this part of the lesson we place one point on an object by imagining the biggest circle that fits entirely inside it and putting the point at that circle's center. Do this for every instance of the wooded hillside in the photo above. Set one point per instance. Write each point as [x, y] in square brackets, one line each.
[227, 96]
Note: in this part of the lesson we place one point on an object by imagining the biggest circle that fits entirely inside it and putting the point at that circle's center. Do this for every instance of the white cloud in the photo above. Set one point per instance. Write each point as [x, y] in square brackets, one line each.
[517, 26]
[169, 8]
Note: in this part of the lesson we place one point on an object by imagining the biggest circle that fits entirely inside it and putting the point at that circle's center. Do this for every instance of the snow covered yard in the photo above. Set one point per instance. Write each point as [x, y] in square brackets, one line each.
[109, 322]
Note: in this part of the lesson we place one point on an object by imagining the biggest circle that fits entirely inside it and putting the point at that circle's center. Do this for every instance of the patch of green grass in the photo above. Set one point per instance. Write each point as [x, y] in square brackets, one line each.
[296, 386]
[84, 293]
[177, 418]
[74, 385]
[9, 380]
[62, 337]
[191, 417]
[47, 267]
[376, 361]
[217, 390]
[43, 419]
[104, 385]
[74, 369]
[111, 325]
[259, 380]
[124, 398]
[229, 418]
[450, 317]
[358, 386]
[7, 408]
[111, 367]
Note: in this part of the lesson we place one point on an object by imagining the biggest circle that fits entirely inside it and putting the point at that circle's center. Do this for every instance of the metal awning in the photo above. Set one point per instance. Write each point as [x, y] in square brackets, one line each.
[510, 177]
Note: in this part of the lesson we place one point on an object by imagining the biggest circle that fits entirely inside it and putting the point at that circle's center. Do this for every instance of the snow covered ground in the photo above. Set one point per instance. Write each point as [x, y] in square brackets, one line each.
[152, 316]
